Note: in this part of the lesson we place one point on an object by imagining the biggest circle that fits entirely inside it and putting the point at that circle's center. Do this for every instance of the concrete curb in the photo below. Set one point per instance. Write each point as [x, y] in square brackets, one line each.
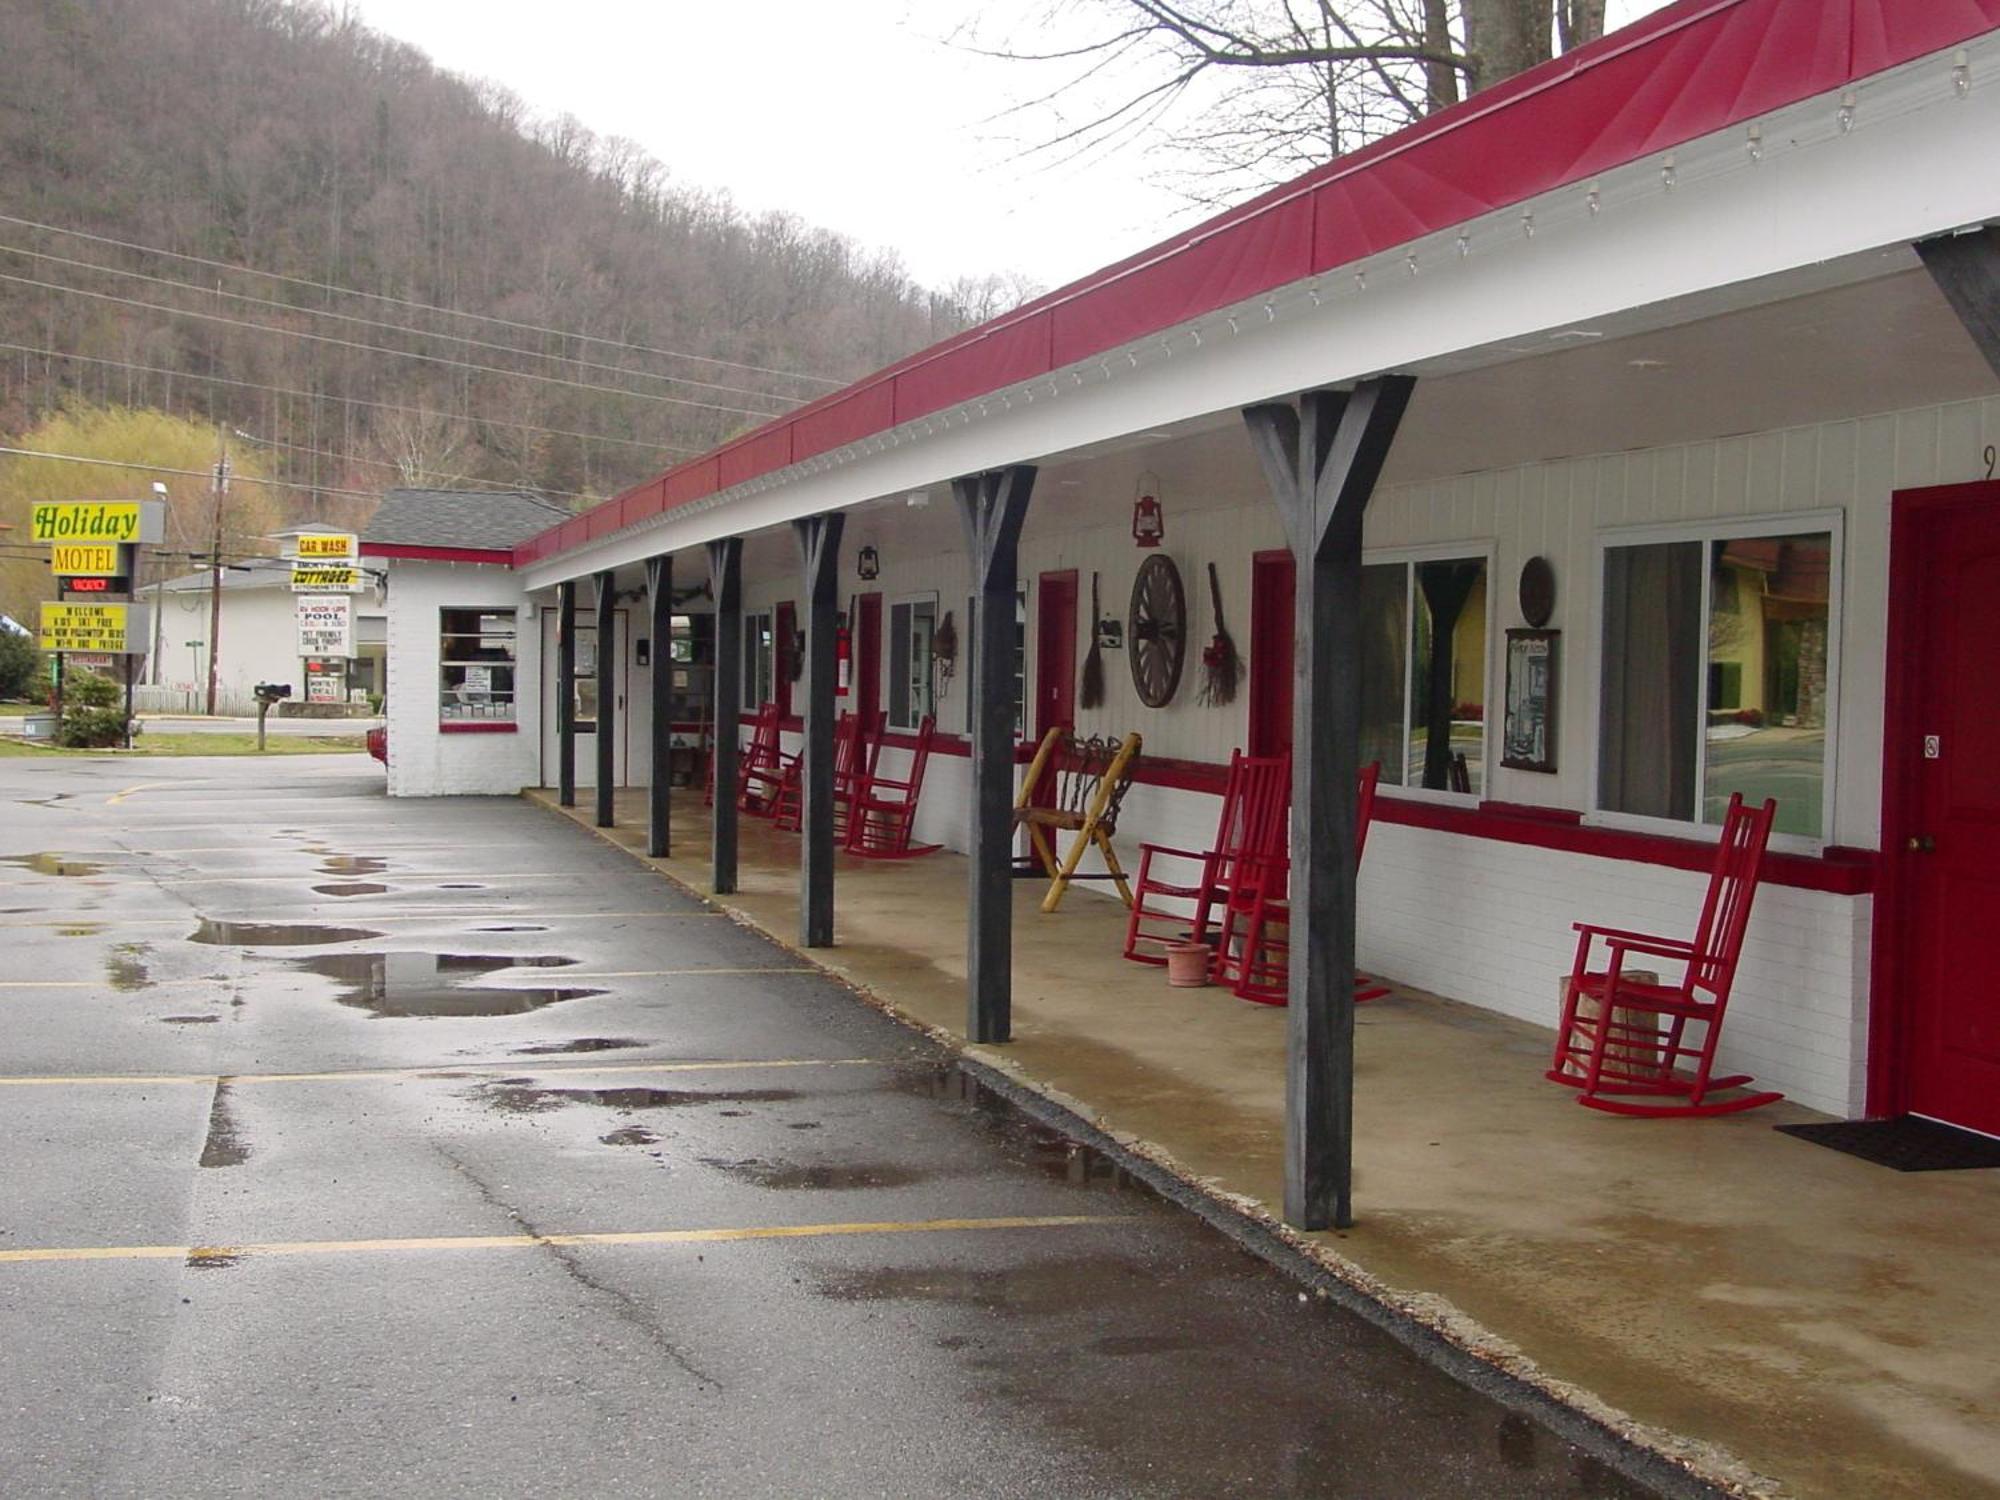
[1428, 1325]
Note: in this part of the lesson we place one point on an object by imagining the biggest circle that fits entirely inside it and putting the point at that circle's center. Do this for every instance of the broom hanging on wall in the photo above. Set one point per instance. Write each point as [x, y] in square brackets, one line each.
[1219, 664]
[1092, 692]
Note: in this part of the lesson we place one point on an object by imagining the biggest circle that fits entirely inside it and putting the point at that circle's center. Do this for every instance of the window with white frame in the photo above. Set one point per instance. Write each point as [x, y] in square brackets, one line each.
[475, 664]
[912, 623]
[1424, 668]
[1020, 658]
[1716, 674]
[759, 642]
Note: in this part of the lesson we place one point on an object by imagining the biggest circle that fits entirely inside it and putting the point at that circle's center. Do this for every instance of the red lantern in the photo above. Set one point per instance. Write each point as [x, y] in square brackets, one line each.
[1149, 523]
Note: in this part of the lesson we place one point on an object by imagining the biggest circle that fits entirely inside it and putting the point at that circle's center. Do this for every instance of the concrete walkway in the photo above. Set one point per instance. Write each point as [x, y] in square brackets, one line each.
[1787, 1317]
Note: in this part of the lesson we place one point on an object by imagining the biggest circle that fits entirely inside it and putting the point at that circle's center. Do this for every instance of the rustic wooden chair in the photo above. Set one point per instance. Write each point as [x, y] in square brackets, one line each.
[853, 757]
[1170, 881]
[1623, 1042]
[762, 767]
[882, 810]
[1090, 778]
[1253, 956]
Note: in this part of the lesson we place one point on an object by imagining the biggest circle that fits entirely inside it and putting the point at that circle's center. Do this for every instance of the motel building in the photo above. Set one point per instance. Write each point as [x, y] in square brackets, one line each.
[1617, 441]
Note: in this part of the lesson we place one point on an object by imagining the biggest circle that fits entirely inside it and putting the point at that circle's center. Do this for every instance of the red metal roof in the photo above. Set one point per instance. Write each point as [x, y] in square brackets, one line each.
[1681, 73]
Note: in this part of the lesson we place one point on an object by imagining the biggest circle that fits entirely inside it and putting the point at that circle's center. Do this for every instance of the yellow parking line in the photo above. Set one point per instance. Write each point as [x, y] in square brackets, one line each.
[531, 1241]
[519, 971]
[145, 786]
[506, 1068]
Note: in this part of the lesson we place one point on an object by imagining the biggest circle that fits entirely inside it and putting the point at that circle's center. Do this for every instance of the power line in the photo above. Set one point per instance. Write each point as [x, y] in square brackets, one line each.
[402, 328]
[326, 286]
[283, 390]
[498, 485]
[116, 463]
[437, 359]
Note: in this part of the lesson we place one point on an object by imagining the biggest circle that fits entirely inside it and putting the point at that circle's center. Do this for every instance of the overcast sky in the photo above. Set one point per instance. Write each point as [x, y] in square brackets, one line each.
[860, 115]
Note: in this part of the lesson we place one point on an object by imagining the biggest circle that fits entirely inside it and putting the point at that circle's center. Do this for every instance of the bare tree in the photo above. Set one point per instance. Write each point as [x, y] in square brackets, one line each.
[1247, 93]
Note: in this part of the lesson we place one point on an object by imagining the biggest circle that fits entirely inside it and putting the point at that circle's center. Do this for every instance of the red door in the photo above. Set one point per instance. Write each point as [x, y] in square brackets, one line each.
[1055, 652]
[1271, 627]
[867, 648]
[1944, 828]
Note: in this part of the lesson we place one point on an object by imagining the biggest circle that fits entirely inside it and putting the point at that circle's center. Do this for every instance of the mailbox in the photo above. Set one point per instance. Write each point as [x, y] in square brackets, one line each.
[271, 692]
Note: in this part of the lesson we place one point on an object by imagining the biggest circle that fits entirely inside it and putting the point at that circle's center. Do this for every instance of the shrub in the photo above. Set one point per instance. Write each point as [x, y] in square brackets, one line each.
[21, 673]
[93, 712]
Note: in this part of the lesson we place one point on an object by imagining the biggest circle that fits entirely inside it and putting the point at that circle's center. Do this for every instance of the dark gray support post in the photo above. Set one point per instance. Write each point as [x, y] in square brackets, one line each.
[819, 549]
[1321, 461]
[607, 704]
[566, 693]
[725, 566]
[1966, 268]
[992, 505]
[659, 797]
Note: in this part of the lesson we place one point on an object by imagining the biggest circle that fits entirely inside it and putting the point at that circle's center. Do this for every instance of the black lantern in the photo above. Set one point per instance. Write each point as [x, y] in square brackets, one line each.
[867, 563]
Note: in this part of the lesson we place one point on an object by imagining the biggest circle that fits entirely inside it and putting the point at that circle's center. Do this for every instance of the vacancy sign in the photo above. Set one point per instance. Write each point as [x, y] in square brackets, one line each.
[326, 624]
[103, 521]
[113, 629]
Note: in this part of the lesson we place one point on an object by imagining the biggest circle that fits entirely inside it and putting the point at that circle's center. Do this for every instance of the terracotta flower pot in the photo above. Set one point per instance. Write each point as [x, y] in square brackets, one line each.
[1187, 965]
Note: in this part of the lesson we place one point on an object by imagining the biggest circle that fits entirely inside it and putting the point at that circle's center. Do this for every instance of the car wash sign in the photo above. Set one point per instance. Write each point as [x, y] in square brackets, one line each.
[326, 562]
[326, 624]
[102, 521]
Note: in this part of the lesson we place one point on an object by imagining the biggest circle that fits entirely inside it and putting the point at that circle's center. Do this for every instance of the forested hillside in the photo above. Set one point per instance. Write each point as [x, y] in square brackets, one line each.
[623, 318]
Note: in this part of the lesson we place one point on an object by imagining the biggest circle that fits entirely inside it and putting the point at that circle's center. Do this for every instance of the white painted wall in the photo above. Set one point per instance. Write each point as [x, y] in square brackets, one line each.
[1484, 921]
[259, 644]
[422, 761]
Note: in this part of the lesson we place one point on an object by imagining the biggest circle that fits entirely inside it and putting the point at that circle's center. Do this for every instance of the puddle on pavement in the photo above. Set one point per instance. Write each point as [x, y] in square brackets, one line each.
[51, 863]
[351, 888]
[125, 967]
[211, 1260]
[631, 1135]
[189, 1020]
[434, 984]
[225, 1146]
[520, 1096]
[81, 929]
[275, 934]
[579, 1044]
[352, 864]
[1059, 1286]
[513, 927]
[794, 1177]
[461, 885]
[1023, 1137]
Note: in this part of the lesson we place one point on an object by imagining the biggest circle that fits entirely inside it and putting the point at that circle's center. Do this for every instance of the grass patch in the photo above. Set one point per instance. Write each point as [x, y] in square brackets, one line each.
[205, 744]
[12, 710]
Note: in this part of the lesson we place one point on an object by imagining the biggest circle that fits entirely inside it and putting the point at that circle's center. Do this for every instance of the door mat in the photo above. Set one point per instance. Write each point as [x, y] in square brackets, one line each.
[1908, 1144]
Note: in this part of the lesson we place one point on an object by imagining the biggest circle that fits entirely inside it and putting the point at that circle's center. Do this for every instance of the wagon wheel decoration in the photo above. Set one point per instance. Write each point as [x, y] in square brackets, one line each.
[1157, 631]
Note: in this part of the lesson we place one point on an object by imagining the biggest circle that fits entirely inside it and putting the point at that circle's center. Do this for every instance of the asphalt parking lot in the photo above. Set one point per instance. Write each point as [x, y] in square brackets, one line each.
[371, 1147]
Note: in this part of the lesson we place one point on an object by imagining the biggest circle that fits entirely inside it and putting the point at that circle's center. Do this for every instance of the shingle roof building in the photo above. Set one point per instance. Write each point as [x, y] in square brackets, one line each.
[460, 518]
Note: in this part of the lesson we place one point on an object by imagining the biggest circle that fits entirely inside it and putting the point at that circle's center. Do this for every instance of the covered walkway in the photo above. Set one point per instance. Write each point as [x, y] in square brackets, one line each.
[1825, 1321]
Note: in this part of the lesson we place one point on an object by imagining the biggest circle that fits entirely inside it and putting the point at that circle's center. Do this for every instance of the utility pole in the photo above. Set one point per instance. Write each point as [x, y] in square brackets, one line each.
[215, 584]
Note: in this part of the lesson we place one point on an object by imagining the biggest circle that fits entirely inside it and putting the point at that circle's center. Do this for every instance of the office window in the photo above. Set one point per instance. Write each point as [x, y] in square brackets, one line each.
[1424, 672]
[758, 648]
[475, 664]
[1715, 677]
[912, 623]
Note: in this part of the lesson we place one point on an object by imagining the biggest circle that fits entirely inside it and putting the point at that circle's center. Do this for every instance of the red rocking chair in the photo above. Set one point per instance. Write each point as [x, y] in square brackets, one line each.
[1255, 801]
[854, 756]
[761, 753]
[882, 812]
[763, 767]
[1254, 957]
[1623, 1037]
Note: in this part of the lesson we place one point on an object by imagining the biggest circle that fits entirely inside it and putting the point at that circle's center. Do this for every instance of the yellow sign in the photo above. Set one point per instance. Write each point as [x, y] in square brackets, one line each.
[84, 559]
[321, 546]
[112, 628]
[96, 521]
[325, 578]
